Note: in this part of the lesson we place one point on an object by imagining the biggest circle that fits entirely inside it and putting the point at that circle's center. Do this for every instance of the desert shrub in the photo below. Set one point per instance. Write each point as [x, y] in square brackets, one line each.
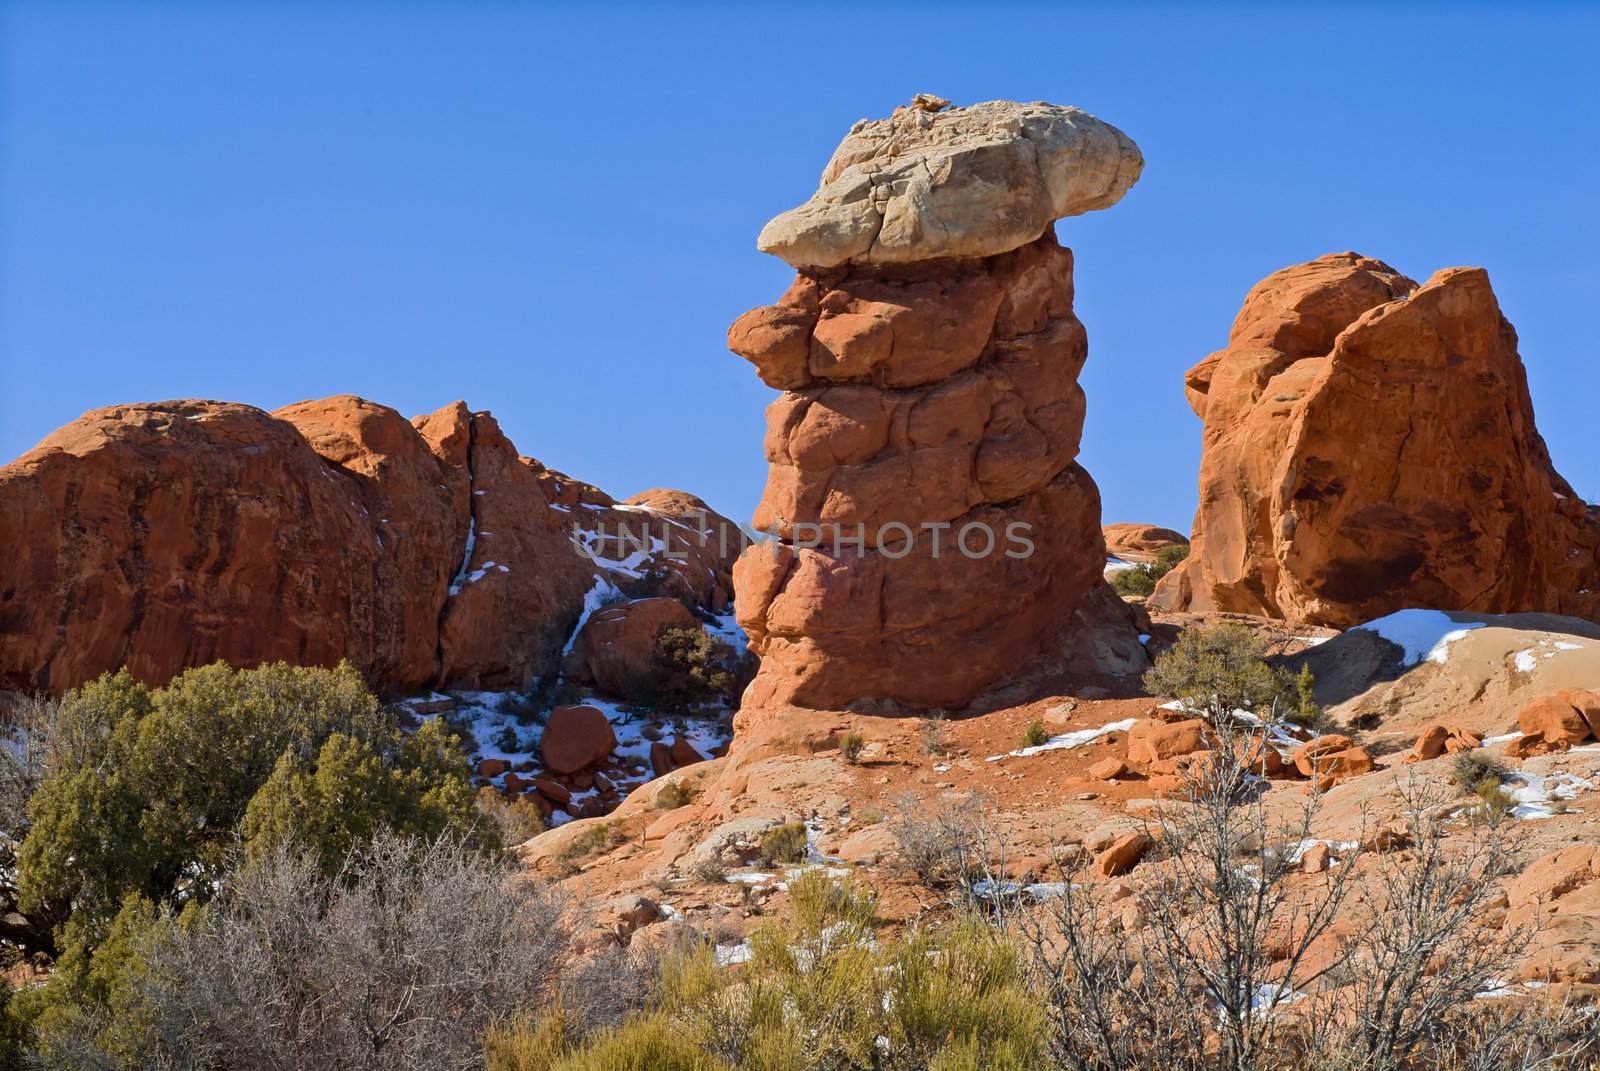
[1495, 804]
[1168, 557]
[402, 958]
[526, 1042]
[692, 668]
[1469, 769]
[1141, 579]
[147, 790]
[338, 802]
[672, 795]
[515, 818]
[593, 840]
[1221, 918]
[602, 990]
[784, 844]
[1136, 580]
[1306, 711]
[941, 844]
[850, 745]
[1216, 671]
[956, 995]
[932, 733]
[1034, 734]
[821, 991]
[652, 1043]
[94, 1010]
[712, 871]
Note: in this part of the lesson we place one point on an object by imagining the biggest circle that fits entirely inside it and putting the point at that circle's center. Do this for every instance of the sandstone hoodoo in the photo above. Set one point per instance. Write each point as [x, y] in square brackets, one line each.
[427, 551]
[1369, 445]
[934, 535]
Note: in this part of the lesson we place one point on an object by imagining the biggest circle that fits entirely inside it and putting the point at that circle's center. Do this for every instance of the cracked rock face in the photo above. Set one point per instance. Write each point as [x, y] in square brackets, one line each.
[1369, 445]
[935, 537]
[968, 182]
[427, 552]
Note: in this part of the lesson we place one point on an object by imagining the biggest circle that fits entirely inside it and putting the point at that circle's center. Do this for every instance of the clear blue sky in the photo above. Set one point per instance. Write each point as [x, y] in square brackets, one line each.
[551, 212]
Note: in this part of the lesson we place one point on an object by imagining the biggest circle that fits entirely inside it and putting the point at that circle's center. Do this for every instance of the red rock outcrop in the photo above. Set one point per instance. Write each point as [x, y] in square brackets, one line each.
[1369, 445]
[427, 552]
[934, 536]
[1139, 542]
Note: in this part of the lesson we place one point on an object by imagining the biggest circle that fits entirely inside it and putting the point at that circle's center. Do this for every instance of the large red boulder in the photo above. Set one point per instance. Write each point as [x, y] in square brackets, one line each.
[1154, 740]
[427, 552]
[575, 738]
[174, 534]
[1369, 445]
[616, 650]
[1553, 721]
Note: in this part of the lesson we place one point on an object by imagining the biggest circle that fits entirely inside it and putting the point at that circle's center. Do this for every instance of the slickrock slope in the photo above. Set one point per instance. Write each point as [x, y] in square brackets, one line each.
[932, 414]
[173, 534]
[1369, 445]
[1139, 542]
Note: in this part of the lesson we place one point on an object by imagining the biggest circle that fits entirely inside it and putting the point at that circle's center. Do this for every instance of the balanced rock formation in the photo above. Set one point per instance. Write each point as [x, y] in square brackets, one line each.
[933, 534]
[1369, 445]
[427, 552]
[968, 182]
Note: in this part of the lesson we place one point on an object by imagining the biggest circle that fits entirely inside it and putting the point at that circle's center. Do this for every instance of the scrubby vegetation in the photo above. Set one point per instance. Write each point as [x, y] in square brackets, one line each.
[1470, 769]
[821, 990]
[1141, 579]
[400, 957]
[1216, 671]
[1034, 734]
[257, 870]
[126, 806]
[850, 746]
[692, 669]
[784, 844]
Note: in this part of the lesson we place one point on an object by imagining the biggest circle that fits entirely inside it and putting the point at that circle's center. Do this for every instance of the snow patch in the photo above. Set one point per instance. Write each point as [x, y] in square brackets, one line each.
[1066, 741]
[603, 592]
[1536, 795]
[1424, 635]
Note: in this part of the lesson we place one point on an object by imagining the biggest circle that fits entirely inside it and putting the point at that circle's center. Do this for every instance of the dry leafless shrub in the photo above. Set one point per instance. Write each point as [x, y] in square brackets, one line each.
[399, 961]
[951, 845]
[1218, 960]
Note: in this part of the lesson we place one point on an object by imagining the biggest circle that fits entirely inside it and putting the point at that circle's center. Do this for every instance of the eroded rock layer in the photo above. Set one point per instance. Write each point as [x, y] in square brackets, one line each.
[1369, 445]
[934, 535]
[427, 552]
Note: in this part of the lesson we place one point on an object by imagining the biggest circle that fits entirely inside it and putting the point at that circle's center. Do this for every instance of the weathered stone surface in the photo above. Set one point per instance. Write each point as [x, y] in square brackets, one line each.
[968, 182]
[940, 395]
[174, 534]
[575, 738]
[1440, 739]
[427, 552]
[1153, 740]
[1369, 445]
[1554, 720]
[1140, 542]
[1305, 756]
[1123, 854]
[519, 583]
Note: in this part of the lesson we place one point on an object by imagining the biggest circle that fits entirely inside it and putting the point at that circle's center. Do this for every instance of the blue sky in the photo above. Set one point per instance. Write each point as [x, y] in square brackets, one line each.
[551, 212]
